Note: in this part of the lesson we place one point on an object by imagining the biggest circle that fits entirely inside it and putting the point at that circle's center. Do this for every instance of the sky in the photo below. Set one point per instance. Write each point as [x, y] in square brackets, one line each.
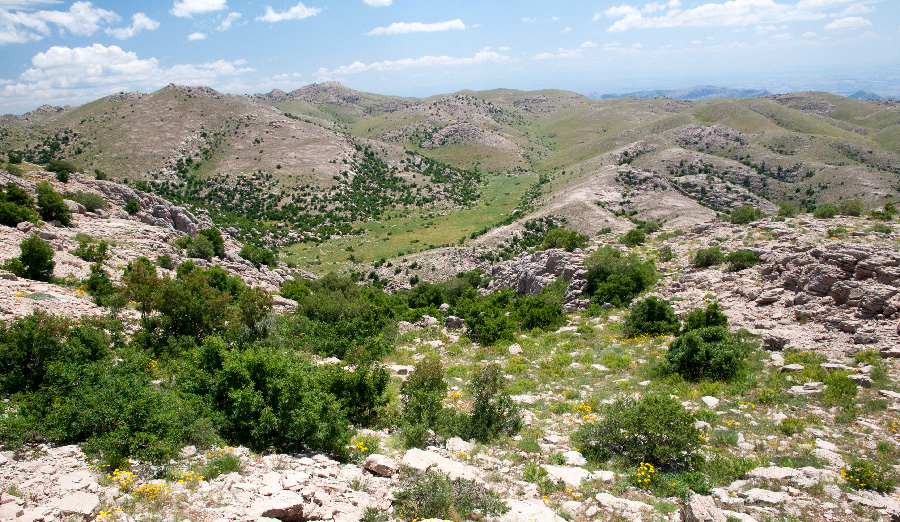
[61, 52]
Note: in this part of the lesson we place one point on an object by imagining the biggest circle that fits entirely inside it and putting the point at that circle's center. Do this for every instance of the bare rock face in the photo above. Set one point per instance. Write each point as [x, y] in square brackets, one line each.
[528, 274]
[157, 211]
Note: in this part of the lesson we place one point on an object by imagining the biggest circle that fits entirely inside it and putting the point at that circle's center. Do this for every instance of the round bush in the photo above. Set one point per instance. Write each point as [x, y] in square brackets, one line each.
[634, 237]
[37, 258]
[706, 353]
[651, 317]
[655, 429]
[741, 260]
[744, 215]
[700, 318]
[707, 257]
[825, 211]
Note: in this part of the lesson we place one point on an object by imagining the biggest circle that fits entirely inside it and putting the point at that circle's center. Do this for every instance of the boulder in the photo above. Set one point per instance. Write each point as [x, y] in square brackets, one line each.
[454, 323]
[572, 476]
[381, 465]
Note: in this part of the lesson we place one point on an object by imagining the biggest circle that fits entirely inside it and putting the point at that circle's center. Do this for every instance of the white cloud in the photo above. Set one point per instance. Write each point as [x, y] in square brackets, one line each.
[82, 19]
[196, 36]
[482, 56]
[139, 22]
[298, 12]
[24, 4]
[587, 44]
[529, 20]
[418, 27]
[505, 48]
[809, 34]
[782, 36]
[75, 75]
[230, 19]
[731, 13]
[560, 53]
[847, 23]
[378, 3]
[567, 29]
[188, 8]
[696, 42]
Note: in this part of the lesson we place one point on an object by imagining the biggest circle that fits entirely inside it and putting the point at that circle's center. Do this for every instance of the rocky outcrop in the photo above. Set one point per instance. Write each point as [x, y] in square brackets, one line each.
[528, 274]
[156, 211]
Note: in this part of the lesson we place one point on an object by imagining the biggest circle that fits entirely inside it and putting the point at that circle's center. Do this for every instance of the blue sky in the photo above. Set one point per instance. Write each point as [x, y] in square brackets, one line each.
[63, 52]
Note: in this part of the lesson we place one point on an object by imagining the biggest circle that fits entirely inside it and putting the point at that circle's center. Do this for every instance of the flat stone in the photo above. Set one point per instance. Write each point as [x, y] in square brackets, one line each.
[516, 349]
[774, 473]
[574, 458]
[702, 509]
[792, 368]
[824, 444]
[833, 458]
[710, 401]
[764, 496]
[528, 511]
[620, 504]
[890, 394]
[572, 476]
[457, 445]
[82, 504]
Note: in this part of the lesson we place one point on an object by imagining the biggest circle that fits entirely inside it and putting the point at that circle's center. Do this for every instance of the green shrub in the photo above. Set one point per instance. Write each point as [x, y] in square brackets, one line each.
[16, 206]
[655, 429]
[650, 317]
[791, 427]
[705, 318]
[535, 312]
[99, 286]
[258, 255]
[706, 353]
[433, 495]
[825, 211]
[91, 202]
[840, 390]
[61, 167]
[487, 319]
[215, 239]
[62, 176]
[165, 261]
[51, 205]
[745, 214]
[881, 228]
[92, 252]
[851, 207]
[665, 254]
[707, 257]
[788, 209]
[182, 242]
[14, 158]
[741, 260]
[612, 278]
[422, 395]
[35, 260]
[220, 462]
[864, 474]
[493, 411]
[633, 237]
[200, 248]
[132, 206]
[266, 398]
[562, 238]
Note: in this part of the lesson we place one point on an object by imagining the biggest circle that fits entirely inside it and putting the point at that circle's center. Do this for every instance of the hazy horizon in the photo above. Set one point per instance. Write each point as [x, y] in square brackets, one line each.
[63, 52]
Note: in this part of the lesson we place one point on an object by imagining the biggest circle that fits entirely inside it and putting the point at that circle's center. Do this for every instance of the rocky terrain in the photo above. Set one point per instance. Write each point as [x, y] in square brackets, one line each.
[146, 233]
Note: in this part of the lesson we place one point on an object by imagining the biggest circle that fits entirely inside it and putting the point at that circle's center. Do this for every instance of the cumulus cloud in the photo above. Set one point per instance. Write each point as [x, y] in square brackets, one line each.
[230, 19]
[483, 56]
[196, 36]
[731, 13]
[74, 75]
[298, 12]
[82, 19]
[188, 8]
[848, 23]
[529, 20]
[587, 44]
[560, 53]
[139, 22]
[418, 27]
[378, 3]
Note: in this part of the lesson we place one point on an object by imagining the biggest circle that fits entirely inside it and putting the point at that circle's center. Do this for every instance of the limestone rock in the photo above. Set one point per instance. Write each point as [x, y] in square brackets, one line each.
[78, 504]
[702, 509]
[381, 465]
